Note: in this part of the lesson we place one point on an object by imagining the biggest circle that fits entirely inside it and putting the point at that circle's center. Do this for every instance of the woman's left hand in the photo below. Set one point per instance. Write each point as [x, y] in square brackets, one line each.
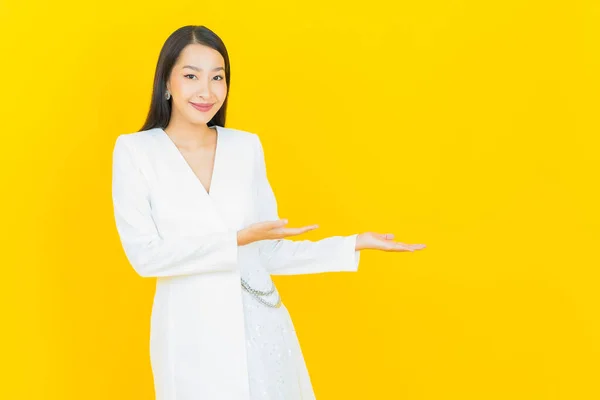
[383, 241]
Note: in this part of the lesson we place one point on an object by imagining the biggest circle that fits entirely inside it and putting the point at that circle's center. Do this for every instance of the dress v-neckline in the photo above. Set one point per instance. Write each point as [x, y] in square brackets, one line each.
[187, 166]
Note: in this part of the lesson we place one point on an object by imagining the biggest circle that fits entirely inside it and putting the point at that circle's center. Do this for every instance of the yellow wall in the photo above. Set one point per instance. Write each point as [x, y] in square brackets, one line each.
[470, 126]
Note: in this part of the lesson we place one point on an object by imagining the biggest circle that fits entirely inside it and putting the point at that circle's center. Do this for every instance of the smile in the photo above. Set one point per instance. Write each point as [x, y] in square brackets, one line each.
[202, 107]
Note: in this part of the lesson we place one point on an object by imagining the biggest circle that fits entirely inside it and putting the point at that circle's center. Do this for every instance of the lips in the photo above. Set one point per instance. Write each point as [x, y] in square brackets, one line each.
[202, 106]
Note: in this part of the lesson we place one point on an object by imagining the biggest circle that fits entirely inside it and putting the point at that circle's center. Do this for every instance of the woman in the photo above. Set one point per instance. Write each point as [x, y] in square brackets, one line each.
[194, 209]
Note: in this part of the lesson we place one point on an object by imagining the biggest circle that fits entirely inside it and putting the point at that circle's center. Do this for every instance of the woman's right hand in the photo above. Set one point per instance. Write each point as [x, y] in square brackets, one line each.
[269, 230]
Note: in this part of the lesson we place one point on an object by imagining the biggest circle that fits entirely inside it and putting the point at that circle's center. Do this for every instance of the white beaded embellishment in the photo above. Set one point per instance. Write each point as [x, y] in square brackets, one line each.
[257, 294]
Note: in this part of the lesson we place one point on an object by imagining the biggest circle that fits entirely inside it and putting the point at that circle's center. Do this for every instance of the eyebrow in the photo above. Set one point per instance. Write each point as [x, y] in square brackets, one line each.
[200, 69]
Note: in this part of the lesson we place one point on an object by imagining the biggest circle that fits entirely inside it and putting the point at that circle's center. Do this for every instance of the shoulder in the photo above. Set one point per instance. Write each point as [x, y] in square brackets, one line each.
[248, 142]
[240, 136]
[232, 133]
[139, 139]
[132, 147]
[130, 139]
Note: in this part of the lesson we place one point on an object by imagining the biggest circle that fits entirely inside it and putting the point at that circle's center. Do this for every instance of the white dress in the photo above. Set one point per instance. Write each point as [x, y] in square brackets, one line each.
[275, 361]
[209, 338]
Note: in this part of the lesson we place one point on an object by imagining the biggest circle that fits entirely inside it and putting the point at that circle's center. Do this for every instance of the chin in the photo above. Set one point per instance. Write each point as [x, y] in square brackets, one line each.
[199, 121]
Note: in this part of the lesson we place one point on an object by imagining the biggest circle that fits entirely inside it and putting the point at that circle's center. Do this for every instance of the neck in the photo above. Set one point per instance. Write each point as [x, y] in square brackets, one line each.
[190, 135]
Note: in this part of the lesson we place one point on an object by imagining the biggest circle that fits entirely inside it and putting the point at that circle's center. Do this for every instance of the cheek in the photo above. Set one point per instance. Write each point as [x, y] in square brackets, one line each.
[181, 85]
[220, 91]
[185, 90]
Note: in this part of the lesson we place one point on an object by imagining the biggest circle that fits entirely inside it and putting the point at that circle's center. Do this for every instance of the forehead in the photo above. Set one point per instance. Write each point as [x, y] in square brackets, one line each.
[201, 56]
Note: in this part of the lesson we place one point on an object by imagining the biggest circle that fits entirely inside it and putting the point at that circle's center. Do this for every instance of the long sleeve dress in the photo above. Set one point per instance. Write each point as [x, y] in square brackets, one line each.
[210, 338]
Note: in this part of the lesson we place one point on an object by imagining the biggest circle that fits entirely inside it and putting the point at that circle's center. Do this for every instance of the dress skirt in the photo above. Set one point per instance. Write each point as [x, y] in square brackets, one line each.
[276, 366]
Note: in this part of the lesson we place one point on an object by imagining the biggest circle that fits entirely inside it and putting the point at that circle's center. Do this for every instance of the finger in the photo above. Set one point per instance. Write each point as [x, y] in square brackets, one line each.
[290, 232]
[384, 236]
[276, 224]
[409, 247]
[397, 246]
[310, 227]
[298, 231]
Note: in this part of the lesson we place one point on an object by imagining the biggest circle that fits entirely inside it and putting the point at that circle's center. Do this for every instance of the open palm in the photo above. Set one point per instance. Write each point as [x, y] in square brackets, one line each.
[384, 242]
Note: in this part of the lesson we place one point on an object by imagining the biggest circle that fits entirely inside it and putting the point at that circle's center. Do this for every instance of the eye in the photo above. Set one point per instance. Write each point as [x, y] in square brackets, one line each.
[219, 76]
[190, 75]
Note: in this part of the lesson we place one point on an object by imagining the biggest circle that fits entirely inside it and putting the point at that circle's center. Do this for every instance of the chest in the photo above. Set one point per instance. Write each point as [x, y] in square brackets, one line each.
[201, 163]
[201, 191]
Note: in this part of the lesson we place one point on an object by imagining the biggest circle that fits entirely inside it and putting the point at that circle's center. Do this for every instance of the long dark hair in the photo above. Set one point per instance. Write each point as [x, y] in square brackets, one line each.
[160, 108]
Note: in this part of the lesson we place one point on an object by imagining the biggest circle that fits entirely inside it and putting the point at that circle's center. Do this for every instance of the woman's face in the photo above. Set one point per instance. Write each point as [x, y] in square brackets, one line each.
[198, 77]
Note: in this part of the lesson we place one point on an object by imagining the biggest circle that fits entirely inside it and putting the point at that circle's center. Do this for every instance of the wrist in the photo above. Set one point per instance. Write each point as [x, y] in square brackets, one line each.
[244, 237]
[359, 242]
[241, 237]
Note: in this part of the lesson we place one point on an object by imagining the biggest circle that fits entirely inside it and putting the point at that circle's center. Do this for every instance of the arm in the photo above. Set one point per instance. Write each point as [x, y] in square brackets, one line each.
[288, 257]
[150, 254]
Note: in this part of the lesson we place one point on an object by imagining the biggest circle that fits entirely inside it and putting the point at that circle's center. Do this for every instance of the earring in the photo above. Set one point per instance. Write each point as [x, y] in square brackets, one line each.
[167, 95]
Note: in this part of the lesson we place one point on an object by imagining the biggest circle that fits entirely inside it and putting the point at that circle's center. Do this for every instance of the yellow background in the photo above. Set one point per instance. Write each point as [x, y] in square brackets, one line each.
[470, 126]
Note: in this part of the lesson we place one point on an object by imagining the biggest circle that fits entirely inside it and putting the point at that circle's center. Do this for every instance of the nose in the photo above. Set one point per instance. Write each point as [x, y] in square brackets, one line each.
[203, 89]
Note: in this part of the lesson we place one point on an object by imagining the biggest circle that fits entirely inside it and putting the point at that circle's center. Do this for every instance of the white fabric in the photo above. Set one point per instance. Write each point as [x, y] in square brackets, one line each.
[209, 339]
